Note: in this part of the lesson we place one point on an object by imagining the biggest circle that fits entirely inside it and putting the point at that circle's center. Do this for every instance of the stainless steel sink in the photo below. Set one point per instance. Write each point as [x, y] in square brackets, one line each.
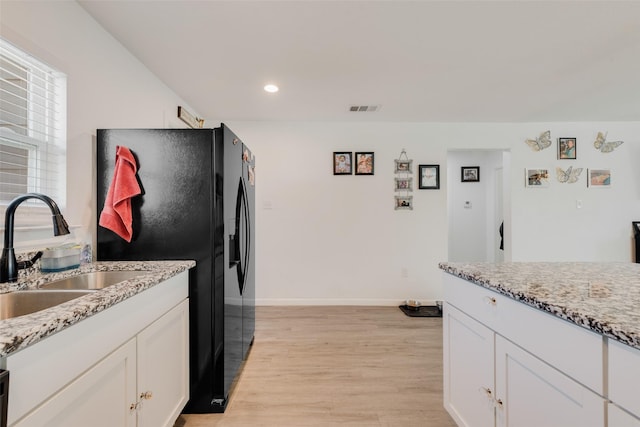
[93, 280]
[19, 303]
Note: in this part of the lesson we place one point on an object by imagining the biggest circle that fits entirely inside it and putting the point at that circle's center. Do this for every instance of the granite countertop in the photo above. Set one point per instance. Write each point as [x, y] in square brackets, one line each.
[602, 297]
[20, 332]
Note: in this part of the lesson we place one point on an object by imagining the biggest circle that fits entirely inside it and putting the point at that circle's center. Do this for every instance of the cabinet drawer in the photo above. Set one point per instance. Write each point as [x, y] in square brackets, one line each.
[624, 376]
[575, 351]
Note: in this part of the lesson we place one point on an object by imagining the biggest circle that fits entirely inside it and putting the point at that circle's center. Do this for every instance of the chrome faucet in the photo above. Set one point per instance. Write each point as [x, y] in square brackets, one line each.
[8, 265]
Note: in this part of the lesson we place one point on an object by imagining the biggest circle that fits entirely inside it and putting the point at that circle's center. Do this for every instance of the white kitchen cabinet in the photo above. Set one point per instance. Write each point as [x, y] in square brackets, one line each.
[163, 369]
[99, 398]
[624, 377]
[529, 392]
[468, 351]
[489, 381]
[125, 366]
[106, 395]
[500, 371]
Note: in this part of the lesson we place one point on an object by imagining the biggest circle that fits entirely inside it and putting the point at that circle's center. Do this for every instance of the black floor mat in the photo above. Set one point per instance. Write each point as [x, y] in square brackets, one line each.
[424, 311]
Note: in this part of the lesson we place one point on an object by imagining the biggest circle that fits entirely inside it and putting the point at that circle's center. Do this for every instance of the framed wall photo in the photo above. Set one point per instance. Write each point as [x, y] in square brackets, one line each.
[342, 163]
[536, 178]
[429, 177]
[364, 163]
[599, 178]
[403, 184]
[470, 173]
[403, 166]
[567, 148]
[404, 202]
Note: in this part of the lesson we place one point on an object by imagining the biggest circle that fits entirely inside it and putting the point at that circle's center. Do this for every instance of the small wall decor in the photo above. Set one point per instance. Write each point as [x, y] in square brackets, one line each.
[403, 181]
[193, 121]
[404, 202]
[599, 178]
[605, 147]
[567, 148]
[470, 173]
[342, 163]
[429, 177]
[364, 163]
[403, 166]
[536, 178]
[403, 184]
[541, 142]
[569, 176]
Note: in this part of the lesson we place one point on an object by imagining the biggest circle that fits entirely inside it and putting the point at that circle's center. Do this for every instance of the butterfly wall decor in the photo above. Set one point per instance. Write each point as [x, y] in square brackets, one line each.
[541, 142]
[569, 176]
[603, 145]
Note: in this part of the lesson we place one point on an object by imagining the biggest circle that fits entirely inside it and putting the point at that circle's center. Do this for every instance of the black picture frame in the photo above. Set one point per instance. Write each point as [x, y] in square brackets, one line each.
[567, 148]
[342, 163]
[428, 177]
[470, 173]
[364, 163]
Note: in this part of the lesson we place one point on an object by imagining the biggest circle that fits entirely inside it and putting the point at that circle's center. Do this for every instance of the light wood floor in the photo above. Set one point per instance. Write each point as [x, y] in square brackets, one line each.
[336, 366]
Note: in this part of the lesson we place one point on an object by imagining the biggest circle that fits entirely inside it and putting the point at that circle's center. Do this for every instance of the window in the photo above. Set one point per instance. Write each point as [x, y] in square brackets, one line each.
[32, 132]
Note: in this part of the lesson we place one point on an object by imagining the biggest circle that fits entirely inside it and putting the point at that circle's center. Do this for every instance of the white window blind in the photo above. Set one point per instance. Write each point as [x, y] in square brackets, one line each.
[32, 133]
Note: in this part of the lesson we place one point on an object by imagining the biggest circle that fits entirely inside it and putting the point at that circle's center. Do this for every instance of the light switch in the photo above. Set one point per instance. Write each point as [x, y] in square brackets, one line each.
[578, 204]
[467, 205]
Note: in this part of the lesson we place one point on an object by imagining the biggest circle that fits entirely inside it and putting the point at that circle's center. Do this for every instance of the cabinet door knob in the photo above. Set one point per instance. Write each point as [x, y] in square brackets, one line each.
[147, 395]
[499, 403]
[487, 391]
[133, 407]
[490, 300]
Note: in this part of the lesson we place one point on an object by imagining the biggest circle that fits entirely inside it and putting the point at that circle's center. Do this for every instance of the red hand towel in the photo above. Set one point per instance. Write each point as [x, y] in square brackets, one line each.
[116, 214]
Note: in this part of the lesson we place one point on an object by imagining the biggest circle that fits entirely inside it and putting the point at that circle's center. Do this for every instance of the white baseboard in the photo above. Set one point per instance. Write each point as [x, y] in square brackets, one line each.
[328, 301]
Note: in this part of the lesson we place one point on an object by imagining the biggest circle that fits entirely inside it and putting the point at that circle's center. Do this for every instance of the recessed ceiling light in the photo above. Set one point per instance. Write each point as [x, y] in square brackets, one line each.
[271, 88]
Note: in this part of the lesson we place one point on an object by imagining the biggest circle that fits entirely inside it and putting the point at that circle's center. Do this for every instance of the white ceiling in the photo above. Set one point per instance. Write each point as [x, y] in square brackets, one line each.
[428, 61]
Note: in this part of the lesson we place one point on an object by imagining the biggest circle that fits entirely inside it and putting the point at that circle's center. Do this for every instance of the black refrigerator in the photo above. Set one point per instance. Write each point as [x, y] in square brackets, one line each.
[197, 203]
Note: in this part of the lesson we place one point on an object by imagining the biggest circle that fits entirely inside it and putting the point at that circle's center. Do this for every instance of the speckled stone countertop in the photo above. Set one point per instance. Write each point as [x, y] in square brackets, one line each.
[20, 332]
[603, 297]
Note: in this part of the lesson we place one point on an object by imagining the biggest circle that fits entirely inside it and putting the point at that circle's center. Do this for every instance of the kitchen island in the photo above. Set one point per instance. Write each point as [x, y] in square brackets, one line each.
[113, 357]
[542, 343]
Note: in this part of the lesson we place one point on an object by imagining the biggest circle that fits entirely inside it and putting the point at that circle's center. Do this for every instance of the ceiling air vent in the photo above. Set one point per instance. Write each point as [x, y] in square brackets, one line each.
[370, 108]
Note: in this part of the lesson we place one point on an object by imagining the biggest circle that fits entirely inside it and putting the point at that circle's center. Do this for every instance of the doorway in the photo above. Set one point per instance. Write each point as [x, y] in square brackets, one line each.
[477, 209]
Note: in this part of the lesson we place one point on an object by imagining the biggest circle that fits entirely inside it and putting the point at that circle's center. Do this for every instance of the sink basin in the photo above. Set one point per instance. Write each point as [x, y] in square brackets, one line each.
[93, 280]
[19, 303]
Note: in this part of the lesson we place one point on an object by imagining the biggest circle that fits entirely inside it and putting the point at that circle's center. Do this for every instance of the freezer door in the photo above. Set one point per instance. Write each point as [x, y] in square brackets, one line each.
[233, 272]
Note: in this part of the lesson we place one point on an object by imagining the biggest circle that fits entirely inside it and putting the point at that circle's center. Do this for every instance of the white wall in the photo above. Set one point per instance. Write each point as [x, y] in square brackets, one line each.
[107, 87]
[337, 239]
[325, 239]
